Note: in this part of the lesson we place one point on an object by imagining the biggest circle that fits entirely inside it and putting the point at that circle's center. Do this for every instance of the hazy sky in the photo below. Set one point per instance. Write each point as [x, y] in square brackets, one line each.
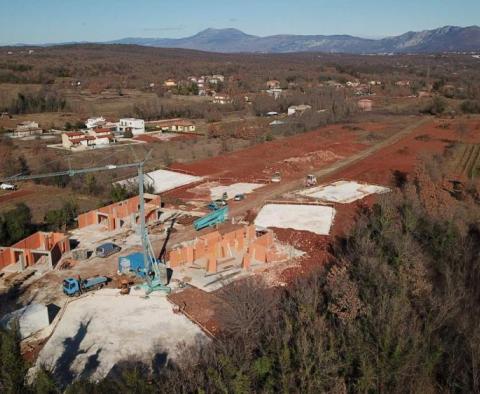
[40, 21]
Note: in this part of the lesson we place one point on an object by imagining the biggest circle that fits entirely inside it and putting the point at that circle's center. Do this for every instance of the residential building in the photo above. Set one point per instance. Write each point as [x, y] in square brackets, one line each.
[298, 109]
[38, 248]
[123, 213]
[173, 125]
[273, 84]
[95, 122]
[365, 105]
[403, 83]
[222, 99]
[170, 83]
[27, 128]
[136, 126]
[77, 140]
[353, 84]
[275, 93]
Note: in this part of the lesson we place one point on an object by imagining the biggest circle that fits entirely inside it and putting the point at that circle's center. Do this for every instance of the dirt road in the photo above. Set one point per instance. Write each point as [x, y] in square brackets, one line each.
[274, 190]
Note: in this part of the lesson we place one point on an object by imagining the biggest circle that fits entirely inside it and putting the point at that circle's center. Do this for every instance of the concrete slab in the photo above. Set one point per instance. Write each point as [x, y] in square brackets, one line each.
[314, 218]
[31, 319]
[164, 180]
[343, 192]
[232, 190]
[101, 329]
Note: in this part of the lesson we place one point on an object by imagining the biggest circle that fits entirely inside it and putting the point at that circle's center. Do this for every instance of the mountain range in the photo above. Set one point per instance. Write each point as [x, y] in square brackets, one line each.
[444, 39]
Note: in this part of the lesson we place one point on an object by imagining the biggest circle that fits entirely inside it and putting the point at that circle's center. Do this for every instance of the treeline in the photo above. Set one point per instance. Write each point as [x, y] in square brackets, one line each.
[45, 100]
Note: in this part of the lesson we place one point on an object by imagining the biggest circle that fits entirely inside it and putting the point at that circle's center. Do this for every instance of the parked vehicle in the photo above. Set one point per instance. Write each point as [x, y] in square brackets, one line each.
[239, 197]
[310, 180]
[276, 177]
[8, 186]
[107, 249]
[72, 286]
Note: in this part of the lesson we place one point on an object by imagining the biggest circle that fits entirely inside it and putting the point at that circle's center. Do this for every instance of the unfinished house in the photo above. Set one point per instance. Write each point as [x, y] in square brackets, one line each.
[37, 248]
[123, 213]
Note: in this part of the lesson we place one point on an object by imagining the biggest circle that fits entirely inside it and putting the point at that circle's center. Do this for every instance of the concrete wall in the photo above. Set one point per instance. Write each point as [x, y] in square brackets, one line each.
[214, 246]
[29, 250]
[112, 215]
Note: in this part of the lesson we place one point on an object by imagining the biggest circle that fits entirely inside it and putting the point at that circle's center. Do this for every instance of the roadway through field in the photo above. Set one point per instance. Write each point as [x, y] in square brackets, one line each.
[274, 190]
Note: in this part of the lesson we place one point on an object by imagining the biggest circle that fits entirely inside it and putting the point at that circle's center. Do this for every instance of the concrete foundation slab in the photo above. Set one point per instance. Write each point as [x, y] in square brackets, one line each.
[31, 318]
[314, 218]
[164, 180]
[101, 329]
[343, 192]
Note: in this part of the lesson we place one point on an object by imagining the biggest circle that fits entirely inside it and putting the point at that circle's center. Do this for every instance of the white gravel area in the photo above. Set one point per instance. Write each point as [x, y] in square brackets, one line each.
[164, 180]
[103, 328]
[314, 218]
[344, 192]
[237, 188]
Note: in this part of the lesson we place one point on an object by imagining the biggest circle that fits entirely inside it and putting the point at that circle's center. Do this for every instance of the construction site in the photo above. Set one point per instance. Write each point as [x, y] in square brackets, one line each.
[268, 211]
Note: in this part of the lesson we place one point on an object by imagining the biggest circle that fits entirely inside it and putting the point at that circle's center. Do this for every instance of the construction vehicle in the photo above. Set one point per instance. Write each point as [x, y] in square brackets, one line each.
[217, 204]
[212, 219]
[72, 286]
[310, 180]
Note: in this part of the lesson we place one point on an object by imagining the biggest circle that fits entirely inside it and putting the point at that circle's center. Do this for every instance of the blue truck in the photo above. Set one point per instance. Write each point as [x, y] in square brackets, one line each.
[72, 286]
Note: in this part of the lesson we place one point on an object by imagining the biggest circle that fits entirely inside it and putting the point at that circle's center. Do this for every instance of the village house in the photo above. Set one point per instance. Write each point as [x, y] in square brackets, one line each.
[173, 125]
[353, 84]
[170, 83]
[26, 129]
[136, 126]
[95, 122]
[402, 83]
[298, 109]
[222, 99]
[77, 140]
[273, 84]
[275, 93]
[365, 105]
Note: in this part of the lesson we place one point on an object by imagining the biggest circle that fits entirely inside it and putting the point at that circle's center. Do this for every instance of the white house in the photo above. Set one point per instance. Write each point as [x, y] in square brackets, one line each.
[222, 99]
[276, 93]
[298, 109]
[136, 126]
[27, 128]
[95, 122]
[173, 125]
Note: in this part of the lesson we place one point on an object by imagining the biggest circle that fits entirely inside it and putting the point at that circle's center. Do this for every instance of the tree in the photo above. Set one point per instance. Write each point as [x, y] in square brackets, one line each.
[17, 224]
[128, 133]
[61, 219]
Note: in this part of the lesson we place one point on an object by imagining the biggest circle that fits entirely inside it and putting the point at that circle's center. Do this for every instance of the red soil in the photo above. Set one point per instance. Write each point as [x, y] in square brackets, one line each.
[289, 156]
[14, 195]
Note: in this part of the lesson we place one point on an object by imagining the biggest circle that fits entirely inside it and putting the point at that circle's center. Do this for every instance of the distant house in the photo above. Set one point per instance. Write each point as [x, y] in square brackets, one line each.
[102, 136]
[222, 99]
[216, 79]
[353, 84]
[170, 83]
[77, 140]
[273, 84]
[298, 109]
[136, 126]
[275, 93]
[28, 128]
[95, 122]
[365, 105]
[402, 83]
[173, 125]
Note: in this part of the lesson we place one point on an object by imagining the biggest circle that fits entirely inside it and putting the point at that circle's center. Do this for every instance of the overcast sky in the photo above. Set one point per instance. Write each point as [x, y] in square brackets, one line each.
[49, 21]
